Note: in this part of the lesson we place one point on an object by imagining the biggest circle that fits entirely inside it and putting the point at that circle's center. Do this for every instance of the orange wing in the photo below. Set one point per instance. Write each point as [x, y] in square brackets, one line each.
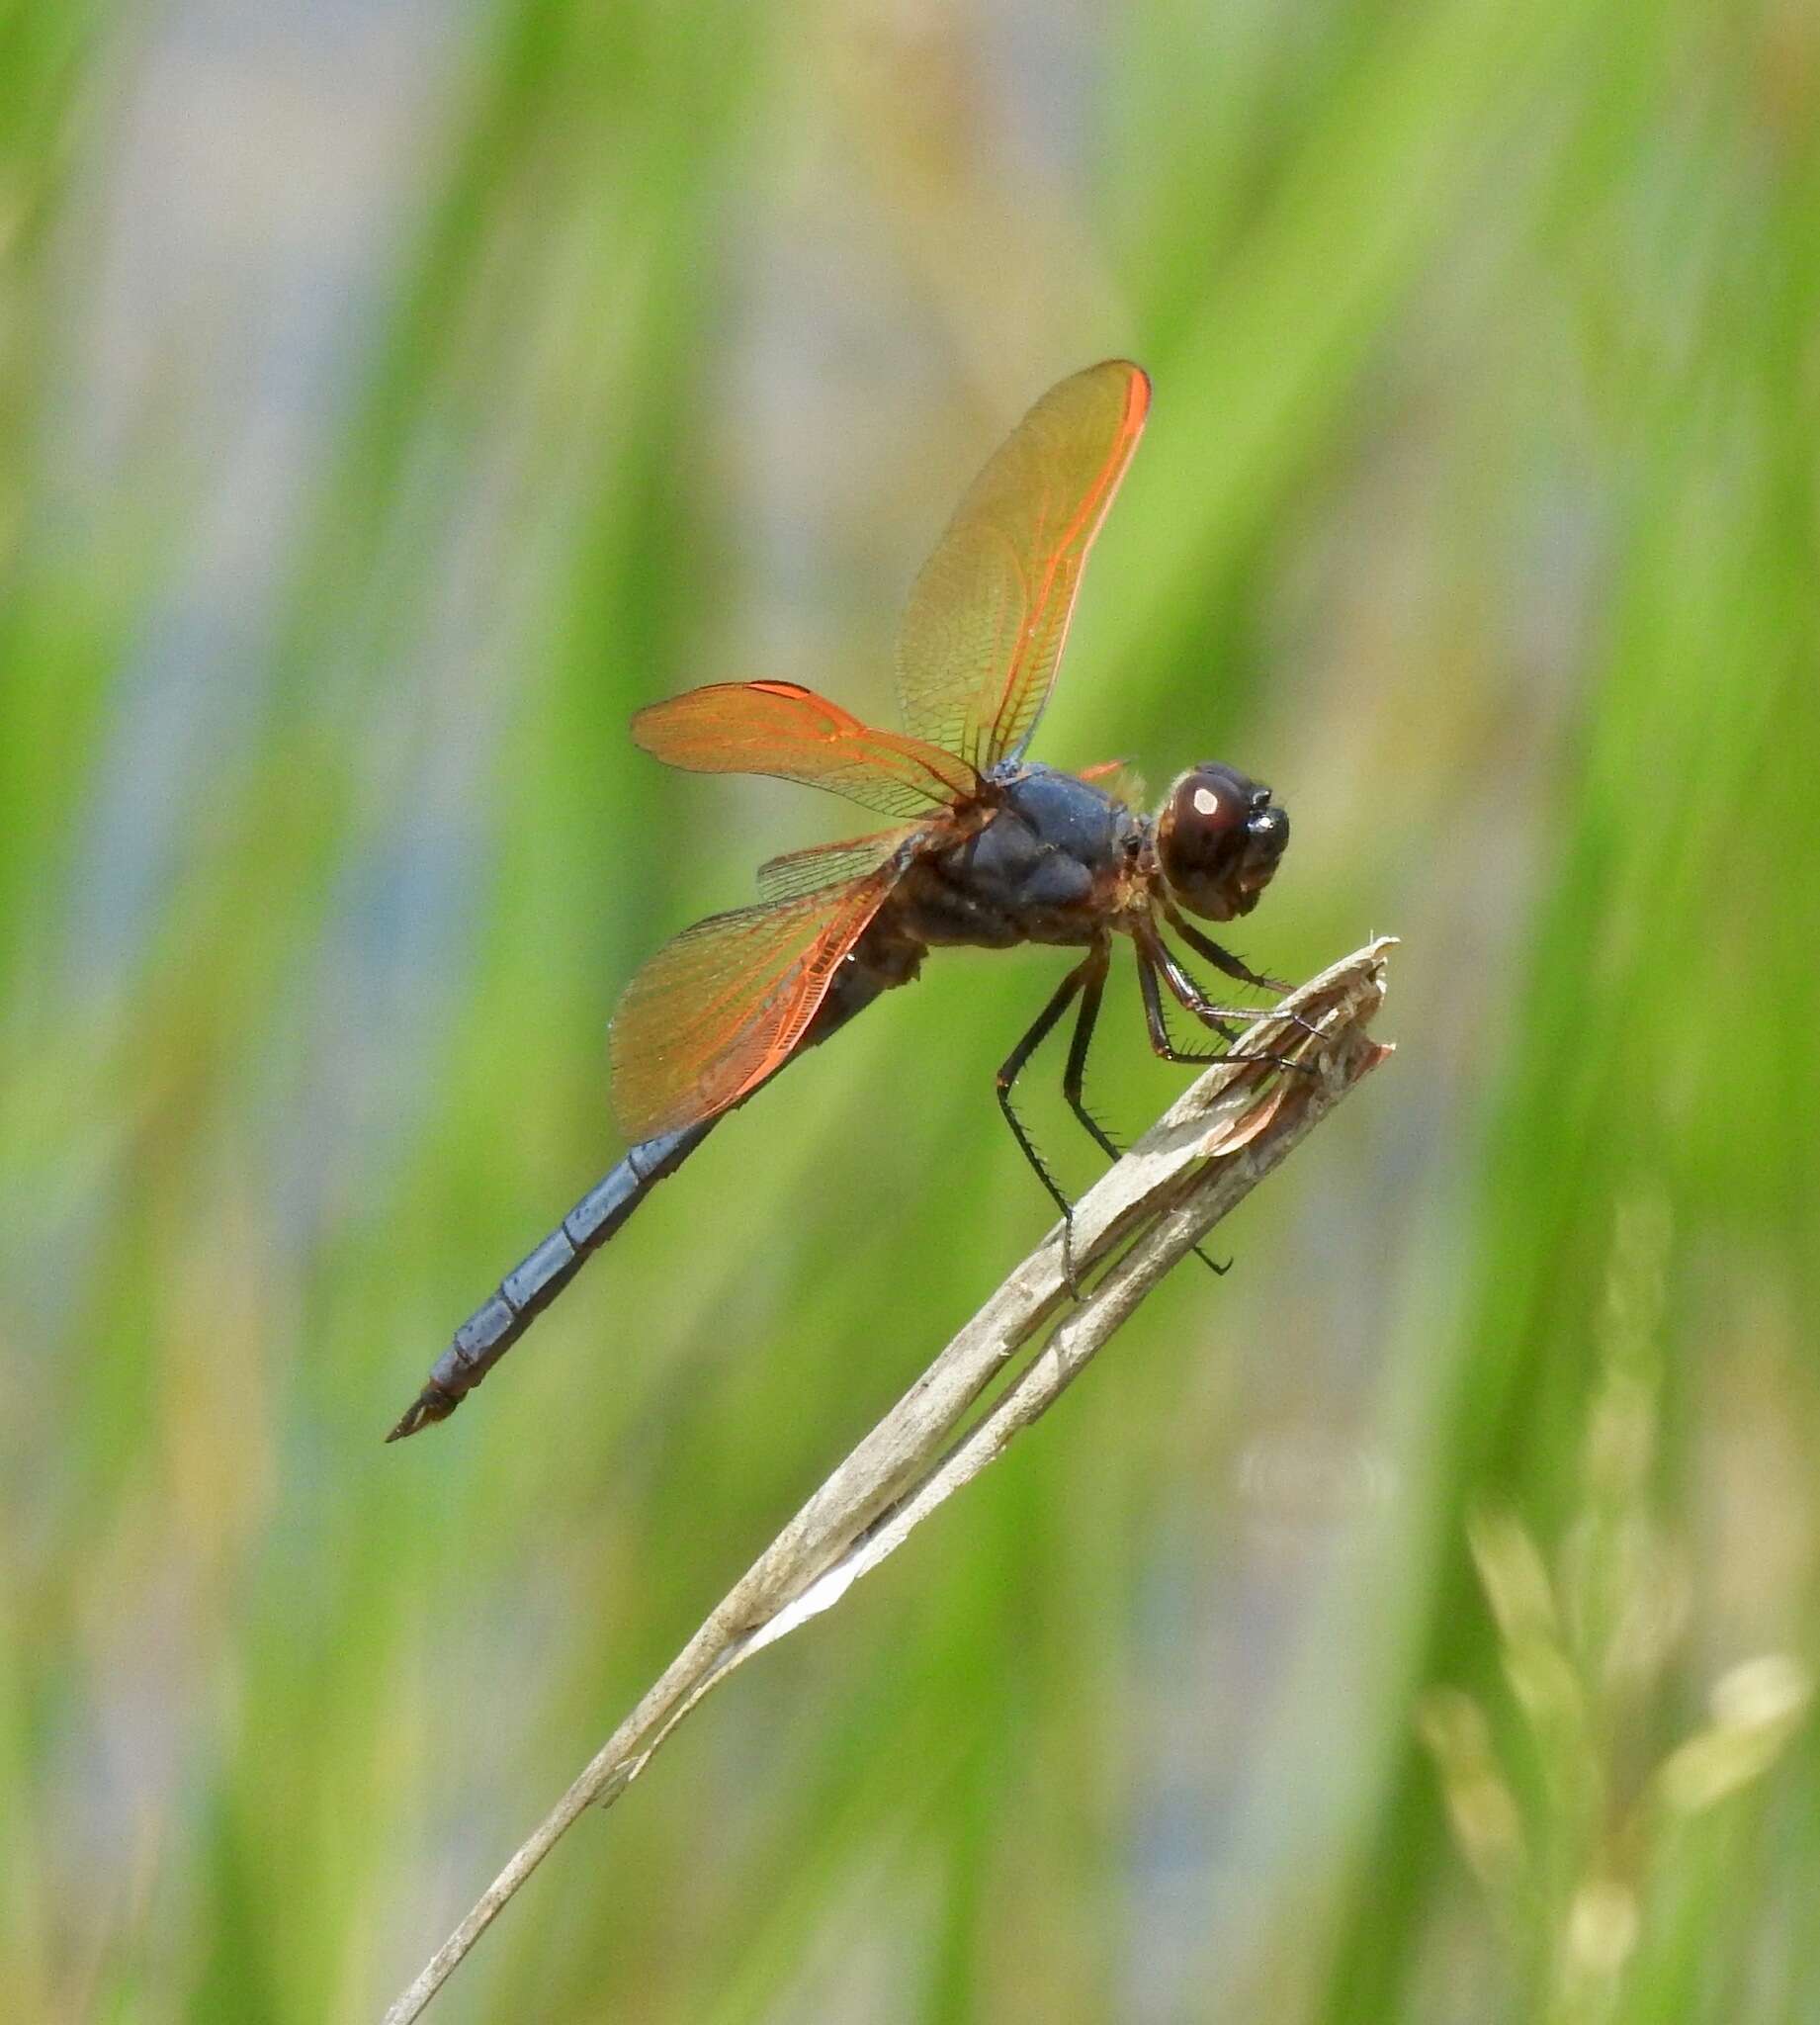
[821, 866]
[716, 1010]
[988, 616]
[783, 728]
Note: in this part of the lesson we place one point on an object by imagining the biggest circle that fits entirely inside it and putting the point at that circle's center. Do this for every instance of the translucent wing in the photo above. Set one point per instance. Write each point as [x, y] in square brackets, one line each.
[988, 616]
[782, 729]
[1121, 780]
[716, 1010]
[799, 872]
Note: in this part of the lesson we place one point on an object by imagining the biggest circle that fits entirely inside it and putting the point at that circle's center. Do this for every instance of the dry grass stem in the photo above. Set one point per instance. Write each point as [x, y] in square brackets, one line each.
[1206, 1153]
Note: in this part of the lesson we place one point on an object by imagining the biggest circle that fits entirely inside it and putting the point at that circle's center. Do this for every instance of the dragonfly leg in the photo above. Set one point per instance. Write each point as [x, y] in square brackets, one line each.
[1221, 959]
[1074, 1084]
[1013, 1067]
[1196, 1000]
[1093, 975]
[1074, 1077]
[1155, 957]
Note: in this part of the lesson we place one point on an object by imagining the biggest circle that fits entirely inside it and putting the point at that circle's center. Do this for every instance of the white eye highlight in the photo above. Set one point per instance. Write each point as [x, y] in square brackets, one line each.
[1206, 802]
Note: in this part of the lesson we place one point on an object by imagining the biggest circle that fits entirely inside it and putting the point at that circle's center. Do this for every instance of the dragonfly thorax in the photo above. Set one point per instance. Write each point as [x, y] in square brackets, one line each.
[1052, 860]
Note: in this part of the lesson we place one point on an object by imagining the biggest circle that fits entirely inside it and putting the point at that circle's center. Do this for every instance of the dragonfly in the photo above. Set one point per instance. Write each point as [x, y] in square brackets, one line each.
[980, 847]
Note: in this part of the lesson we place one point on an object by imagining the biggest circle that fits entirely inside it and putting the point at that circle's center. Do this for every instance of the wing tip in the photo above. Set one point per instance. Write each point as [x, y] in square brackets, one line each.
[1138, 385]
[1137, 394]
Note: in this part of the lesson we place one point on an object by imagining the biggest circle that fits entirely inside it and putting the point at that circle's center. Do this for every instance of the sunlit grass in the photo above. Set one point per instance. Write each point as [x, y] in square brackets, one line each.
[1583, 1835]
[1477, 513]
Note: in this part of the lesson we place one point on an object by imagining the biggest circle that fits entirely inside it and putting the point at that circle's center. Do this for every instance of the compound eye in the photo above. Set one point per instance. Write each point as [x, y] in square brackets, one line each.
[1208, 810]
[1218, 839]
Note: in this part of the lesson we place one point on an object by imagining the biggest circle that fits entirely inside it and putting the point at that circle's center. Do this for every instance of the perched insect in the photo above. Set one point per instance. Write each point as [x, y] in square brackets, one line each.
[983, 849]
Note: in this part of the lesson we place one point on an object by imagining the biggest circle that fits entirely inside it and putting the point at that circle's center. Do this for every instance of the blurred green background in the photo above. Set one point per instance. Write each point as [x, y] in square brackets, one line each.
[394, 395]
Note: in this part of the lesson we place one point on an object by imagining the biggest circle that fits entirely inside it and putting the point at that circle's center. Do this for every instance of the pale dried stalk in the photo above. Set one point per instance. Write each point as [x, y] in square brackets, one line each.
[1192, 1168]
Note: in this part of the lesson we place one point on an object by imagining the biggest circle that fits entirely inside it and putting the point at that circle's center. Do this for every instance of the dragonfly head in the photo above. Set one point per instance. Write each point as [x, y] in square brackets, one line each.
[1218, 842]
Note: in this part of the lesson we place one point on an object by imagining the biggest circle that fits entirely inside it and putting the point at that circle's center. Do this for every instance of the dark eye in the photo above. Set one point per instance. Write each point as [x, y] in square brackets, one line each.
[1218, 840]
[1208, 807]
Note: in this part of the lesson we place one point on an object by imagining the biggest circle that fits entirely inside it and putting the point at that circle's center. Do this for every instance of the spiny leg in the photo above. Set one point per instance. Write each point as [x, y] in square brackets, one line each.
[1093, 976]
[1153, 958]
[1013, 1067]
[1074, 1088]
[1160, 1041]
[1154, 954]
[1221, 959]
[1233, 966]
[1188, 993]
[1074, 1077]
